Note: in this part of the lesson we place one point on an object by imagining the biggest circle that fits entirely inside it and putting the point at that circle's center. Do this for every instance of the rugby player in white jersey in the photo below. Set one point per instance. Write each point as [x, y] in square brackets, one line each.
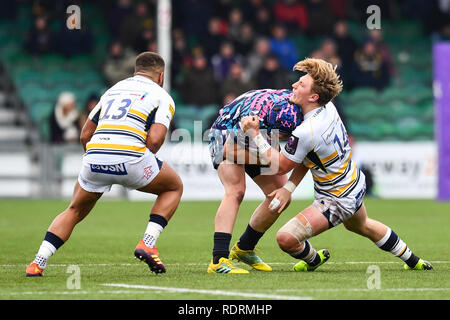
[121, 137]
[320, 144]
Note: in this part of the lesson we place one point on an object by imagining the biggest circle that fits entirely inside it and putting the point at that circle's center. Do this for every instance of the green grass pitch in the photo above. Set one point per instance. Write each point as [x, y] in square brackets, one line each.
[102, 248]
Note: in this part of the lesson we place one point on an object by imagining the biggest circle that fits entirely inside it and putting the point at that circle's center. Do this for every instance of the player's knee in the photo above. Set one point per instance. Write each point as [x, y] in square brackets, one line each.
[293, 233]
[286, 241]
[178, 186]
[237, 195]
[175, 186]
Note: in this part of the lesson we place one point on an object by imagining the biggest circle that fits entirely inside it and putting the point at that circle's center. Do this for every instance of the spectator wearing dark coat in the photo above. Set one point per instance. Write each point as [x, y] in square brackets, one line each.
[321, 18]
[369, 68]
[245, 41]
[181, 56]
[119, 64]
[263, 21]
[236, 83]
[345, 43]
[76, 41]
[272, 75]
[118, 13]
[39, 39]
[90, 104]
[215, 36]
[377, 37]
[255, 60]
[221, 62]
[198, 86]
[134, 25]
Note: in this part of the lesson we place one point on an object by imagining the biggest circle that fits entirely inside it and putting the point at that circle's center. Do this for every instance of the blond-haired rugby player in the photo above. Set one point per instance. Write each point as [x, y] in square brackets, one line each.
[320, 144]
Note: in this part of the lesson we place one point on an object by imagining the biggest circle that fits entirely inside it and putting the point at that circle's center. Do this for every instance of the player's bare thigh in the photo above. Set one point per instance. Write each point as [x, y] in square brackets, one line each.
[317, 220]
[361, 224]
[166, 180]
[83, 201]
[269, 183]
[167, 185]
[232, 176]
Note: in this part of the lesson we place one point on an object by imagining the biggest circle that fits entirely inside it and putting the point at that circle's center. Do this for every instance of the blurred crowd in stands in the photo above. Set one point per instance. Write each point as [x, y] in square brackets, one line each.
[223, 48]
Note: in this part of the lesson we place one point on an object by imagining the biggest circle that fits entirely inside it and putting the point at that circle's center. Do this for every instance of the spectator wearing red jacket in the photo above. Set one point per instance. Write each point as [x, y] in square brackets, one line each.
[292, 14]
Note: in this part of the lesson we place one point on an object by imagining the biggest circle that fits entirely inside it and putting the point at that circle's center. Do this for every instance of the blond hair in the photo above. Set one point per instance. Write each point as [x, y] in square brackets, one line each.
[326, 82]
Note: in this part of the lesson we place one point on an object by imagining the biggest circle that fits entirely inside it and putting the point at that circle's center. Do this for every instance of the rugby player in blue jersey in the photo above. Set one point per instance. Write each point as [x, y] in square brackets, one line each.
[229, 148]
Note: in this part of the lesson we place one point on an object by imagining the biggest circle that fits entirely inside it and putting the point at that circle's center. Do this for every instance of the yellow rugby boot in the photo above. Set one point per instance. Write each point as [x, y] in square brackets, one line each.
[224, 266]
[421, 265]
[249, 257]
[302, 265]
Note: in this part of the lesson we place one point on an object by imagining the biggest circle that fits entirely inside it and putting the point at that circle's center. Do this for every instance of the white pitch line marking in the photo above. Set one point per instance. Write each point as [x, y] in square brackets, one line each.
[362, 289]
[162, 290]
[203, 264]
[207, 292]
[77, 292]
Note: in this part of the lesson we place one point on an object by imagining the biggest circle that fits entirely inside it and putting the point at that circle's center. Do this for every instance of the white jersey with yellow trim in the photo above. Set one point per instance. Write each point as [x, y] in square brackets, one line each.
[124, 115]
[320, 142]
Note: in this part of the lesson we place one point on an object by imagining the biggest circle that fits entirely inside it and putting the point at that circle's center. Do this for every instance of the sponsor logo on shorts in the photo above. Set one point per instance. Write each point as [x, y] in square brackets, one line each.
[148, 172]
[116, 169]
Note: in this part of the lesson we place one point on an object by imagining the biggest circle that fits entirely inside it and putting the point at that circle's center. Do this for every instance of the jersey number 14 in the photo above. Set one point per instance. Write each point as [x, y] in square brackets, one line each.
[342, 144]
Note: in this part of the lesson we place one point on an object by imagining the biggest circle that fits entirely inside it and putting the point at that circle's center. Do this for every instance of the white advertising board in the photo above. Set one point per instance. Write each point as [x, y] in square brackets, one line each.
[400, 170]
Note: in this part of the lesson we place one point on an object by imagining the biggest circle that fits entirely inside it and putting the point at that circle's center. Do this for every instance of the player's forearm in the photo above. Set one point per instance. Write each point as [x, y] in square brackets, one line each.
[267, 154]
[270, 156]
[87, 132]
[154, 144]
[156, 136]
[298, 174]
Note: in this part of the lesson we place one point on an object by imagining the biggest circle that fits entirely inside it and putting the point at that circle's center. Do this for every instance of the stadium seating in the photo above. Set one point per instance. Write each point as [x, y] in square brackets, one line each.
[371, 115]
[392, 93]
[39, 80]
[362, 94]
[404, 110]
[186, 115]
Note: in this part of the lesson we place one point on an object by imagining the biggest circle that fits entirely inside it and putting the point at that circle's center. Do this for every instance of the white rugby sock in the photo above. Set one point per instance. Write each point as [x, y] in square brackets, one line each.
[394, 244]
[152, 233]
[46, 250]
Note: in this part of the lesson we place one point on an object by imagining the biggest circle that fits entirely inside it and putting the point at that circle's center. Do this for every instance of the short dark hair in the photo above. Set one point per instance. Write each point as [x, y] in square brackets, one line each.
[149, 62]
